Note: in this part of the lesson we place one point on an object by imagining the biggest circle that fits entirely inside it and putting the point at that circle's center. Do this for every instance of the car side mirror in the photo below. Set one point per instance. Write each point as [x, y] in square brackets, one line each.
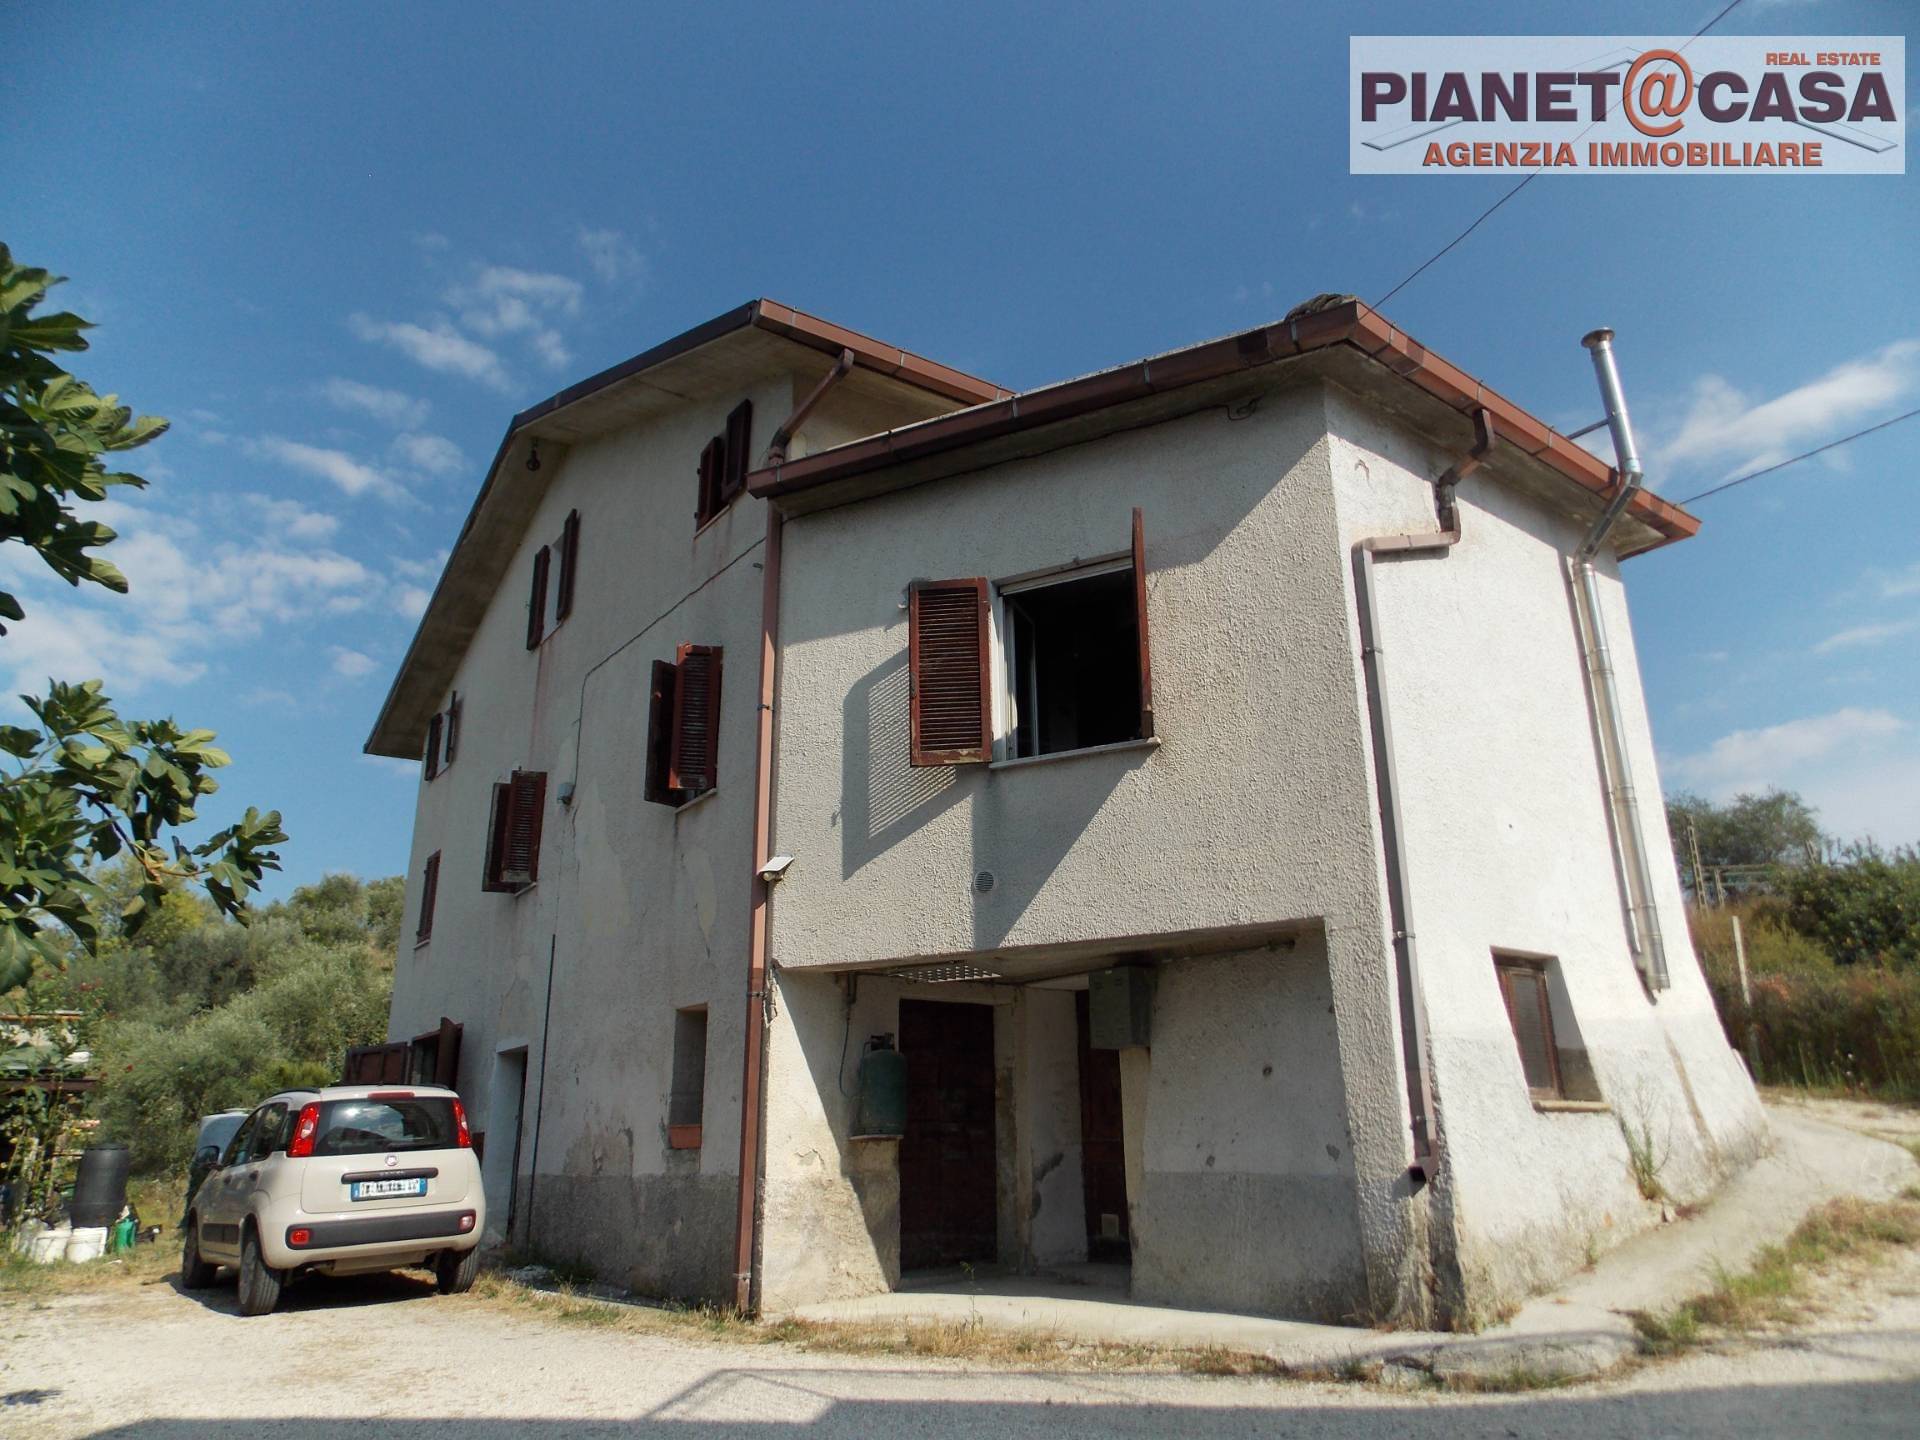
[207, 1155]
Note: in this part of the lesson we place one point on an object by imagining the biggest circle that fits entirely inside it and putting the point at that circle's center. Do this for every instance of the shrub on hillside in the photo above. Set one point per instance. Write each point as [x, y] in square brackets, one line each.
[1812, 1022]
[1863, 910]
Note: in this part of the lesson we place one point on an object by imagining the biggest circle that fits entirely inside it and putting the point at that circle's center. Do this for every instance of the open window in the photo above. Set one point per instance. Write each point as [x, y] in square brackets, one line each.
[724, 463]
[1076, 672]
[1524, 990]
[686, 1103]
[513, 835]
[683, 726]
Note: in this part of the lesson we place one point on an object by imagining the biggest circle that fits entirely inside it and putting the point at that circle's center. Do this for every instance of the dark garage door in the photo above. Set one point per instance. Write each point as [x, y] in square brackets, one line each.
[947, 1155]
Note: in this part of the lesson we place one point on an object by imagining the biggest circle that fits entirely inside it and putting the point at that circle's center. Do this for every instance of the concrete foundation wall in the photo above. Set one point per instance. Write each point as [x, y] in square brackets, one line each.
[1507, 831]
[1247, 1193]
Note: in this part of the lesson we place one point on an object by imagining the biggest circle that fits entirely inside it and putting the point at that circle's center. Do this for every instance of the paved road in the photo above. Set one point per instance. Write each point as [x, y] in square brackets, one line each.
[387, 1356]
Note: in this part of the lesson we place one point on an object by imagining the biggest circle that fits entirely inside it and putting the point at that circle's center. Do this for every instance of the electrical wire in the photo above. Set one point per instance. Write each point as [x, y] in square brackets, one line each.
[1795, 460]
[1531, 177]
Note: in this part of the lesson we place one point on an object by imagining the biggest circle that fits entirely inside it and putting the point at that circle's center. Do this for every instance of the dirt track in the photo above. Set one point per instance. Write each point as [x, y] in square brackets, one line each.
[388, 1356]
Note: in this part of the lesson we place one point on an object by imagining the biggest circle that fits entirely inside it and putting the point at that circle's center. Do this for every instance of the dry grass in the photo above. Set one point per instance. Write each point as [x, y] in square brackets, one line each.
[1774, 1290]
[969, 1340]
[158, 1202]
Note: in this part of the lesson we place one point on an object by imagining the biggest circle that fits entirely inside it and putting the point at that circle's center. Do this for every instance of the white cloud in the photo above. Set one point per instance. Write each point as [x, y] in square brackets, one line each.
[612, 256]
[352, 664]
[389, 407]
[1860, 635]
[279, 698]
[411, 600]
[293, 520]
[1726, 428]
[352, 476]
[499, 300]
[69, 641]
[1899, 584]
[1859, 768]
[435, 454]
[439, 347]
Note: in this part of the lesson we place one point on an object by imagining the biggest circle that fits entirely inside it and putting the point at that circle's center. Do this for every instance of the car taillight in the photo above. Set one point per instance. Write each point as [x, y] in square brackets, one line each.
[462, 1136]
[299, 1235]
[391, 1095]
[304, 1129]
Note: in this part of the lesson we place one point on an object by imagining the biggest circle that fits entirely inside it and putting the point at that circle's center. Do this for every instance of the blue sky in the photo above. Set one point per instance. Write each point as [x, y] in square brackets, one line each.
[340, 246]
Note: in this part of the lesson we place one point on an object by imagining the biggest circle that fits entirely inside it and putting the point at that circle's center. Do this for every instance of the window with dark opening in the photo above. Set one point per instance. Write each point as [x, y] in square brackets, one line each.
[429, 892]
[683, 726]
[686, 1103]
[513, 836]
[724, 463]
[1078, 669]
[1523, 988]
[1073, 662]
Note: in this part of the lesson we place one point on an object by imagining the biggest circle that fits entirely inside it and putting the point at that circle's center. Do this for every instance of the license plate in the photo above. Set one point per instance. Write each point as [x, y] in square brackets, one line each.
[380, 1189]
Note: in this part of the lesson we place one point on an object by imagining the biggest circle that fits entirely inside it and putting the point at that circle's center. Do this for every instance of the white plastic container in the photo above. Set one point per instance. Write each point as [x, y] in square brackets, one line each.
[50, 1245]
[87, 1242]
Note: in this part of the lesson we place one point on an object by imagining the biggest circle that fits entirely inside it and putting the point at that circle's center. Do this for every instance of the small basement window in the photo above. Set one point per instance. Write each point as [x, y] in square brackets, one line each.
[1523, 988]
[1073, 661]
[686, 1104]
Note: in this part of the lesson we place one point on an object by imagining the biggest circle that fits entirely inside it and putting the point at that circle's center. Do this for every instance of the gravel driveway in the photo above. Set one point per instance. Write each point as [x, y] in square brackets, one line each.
[388, 1356]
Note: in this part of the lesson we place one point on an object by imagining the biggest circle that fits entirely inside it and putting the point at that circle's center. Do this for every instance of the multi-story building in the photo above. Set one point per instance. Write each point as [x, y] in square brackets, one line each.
[1055, 750]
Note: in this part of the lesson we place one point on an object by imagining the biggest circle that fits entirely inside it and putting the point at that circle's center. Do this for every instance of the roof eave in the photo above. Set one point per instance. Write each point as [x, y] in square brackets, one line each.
[1354, 324]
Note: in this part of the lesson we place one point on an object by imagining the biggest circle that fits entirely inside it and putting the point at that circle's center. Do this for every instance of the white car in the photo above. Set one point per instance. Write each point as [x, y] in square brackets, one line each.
[340, 1181]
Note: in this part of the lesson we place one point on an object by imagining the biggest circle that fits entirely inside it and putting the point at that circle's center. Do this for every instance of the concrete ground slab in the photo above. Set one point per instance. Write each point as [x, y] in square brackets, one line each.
[1583, 1328]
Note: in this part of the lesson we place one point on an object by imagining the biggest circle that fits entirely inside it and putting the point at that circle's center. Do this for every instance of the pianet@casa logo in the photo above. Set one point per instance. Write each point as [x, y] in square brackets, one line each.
[1607, 105]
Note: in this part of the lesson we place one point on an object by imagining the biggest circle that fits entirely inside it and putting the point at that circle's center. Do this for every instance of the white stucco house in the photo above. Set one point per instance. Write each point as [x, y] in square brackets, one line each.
[789, 697]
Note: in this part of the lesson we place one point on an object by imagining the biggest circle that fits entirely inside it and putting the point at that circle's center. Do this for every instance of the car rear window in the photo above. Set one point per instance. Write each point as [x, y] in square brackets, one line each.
[360, 1127]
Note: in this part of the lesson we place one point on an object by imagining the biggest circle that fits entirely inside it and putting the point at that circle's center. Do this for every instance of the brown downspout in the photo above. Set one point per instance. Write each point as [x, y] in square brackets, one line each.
[1413, 1009]
[754, 1061]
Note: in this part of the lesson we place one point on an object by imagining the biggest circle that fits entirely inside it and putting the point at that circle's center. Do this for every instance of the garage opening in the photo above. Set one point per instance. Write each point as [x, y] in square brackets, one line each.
[947, 1156]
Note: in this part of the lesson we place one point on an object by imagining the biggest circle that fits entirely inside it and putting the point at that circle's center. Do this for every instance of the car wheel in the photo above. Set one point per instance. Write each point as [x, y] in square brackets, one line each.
[454, 1271]
[195, 1273]
[260, 1283]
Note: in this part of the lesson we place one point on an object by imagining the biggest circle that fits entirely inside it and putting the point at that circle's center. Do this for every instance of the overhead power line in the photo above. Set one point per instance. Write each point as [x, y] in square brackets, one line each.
[1531, 177]
[1795, 460]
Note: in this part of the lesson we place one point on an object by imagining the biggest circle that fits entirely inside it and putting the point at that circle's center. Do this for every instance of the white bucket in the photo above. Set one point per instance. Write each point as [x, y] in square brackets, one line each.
[50, 1245]
[88, 1242]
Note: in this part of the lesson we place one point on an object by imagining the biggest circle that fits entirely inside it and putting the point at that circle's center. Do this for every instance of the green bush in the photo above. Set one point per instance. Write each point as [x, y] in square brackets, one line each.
[1863, 910]
[1813, 1022]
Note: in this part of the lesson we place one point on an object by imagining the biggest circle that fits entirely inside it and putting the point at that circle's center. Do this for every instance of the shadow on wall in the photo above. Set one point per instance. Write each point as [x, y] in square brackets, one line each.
[1025, 821]
[883, 796]
[799, 1401]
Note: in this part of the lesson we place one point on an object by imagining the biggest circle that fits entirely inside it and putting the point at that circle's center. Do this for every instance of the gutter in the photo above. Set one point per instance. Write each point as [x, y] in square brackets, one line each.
[1415, 1062]
[759, 998]
[1631, 865]
[1351, 323]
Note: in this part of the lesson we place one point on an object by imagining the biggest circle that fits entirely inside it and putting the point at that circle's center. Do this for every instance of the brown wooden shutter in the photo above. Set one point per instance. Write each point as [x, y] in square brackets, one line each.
[495, 877]
[712, 461]
[526, 810]
[569, 562]
[1140, 620]
[693, 759]
[433, 746]
[429, 892]
[952, 721]
[1524, 988]
[660, 733]
[451, 742]
[739, 450]
[537, 601]
[446, 1056]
